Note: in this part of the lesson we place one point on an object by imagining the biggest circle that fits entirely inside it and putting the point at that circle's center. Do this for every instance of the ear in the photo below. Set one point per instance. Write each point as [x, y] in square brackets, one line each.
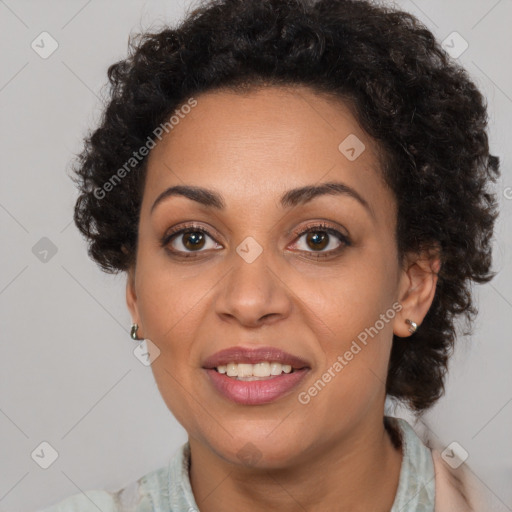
[131, 298]
[417, 288]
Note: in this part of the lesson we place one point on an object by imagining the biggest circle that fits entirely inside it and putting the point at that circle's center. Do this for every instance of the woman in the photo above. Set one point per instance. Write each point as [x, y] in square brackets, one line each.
[297, 192]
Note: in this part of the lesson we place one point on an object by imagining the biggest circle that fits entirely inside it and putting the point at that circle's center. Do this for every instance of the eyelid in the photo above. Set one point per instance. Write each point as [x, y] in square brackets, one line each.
[187, 227]
[320, 225]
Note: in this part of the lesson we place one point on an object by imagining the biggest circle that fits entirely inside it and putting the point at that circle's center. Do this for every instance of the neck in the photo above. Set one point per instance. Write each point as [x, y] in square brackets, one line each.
[358, 471]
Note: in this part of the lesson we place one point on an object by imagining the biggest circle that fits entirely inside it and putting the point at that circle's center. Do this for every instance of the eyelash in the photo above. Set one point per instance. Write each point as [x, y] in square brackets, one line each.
[192, 228]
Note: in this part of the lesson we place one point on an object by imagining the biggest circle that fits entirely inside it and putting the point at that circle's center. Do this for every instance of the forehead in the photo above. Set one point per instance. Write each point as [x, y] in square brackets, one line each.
[261, 143]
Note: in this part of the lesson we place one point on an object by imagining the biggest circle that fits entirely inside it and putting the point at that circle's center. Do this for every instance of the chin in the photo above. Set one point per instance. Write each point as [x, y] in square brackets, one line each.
[259, 451]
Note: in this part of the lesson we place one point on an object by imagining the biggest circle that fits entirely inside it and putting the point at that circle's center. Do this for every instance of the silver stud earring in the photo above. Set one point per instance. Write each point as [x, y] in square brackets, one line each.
[133, 332]
[414, 326]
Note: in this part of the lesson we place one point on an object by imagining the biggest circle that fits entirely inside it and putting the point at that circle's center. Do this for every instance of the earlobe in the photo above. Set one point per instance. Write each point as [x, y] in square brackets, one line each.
[416, 292]
[131, 302]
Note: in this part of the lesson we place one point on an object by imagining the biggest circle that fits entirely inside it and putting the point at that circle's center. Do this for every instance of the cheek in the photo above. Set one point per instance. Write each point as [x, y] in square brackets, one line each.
[167, 296]
[354, 371]
[349, 297]
[173, 316]
[352, 316]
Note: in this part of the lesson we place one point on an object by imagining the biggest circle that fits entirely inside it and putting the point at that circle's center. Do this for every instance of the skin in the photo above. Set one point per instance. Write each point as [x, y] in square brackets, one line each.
[334, 452]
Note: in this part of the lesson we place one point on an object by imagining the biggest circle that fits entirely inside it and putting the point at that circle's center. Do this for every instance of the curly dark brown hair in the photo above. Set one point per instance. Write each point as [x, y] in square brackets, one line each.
[426, 116]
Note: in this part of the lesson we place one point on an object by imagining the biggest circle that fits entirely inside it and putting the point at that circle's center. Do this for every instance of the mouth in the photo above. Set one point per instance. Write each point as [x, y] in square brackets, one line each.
[258, 371]
[262, 359]
[254, 376]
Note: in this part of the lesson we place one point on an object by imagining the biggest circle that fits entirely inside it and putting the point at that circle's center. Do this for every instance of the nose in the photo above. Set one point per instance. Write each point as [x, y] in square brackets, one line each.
[253, 293]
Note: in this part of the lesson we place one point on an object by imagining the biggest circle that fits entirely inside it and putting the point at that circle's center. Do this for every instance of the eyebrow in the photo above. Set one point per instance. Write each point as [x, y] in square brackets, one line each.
[290, 199]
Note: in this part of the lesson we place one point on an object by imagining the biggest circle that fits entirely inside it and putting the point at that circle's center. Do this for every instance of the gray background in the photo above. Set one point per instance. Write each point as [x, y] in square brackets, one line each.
[67, 372]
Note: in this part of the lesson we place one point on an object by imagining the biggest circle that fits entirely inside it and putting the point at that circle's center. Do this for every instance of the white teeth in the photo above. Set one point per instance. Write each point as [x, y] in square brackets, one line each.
[275, 368]
[263, 369]
[244, 370]
[232, 370]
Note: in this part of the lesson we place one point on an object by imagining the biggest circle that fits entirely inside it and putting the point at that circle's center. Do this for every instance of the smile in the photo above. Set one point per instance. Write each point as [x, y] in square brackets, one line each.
[254, 390]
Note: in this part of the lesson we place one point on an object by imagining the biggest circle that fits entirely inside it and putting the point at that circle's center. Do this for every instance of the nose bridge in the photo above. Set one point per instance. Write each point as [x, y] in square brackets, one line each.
[253, 289]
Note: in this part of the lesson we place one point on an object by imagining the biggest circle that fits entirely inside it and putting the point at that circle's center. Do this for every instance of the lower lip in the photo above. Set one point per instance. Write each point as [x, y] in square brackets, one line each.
[255, 392]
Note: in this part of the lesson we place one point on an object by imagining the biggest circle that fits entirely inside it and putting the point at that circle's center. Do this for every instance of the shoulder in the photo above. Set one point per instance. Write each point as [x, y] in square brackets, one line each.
[456, 487]
[147, 494]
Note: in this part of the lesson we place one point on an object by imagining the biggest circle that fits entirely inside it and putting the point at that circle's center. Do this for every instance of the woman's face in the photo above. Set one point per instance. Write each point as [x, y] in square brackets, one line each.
[248, 274]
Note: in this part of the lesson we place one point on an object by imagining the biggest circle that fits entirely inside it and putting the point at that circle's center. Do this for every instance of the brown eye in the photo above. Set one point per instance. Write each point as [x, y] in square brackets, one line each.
[188, 240]
[318, 238]
[193, 240]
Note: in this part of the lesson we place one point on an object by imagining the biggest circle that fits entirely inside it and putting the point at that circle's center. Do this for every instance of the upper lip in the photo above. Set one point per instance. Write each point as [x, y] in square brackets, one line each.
[252, 356]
